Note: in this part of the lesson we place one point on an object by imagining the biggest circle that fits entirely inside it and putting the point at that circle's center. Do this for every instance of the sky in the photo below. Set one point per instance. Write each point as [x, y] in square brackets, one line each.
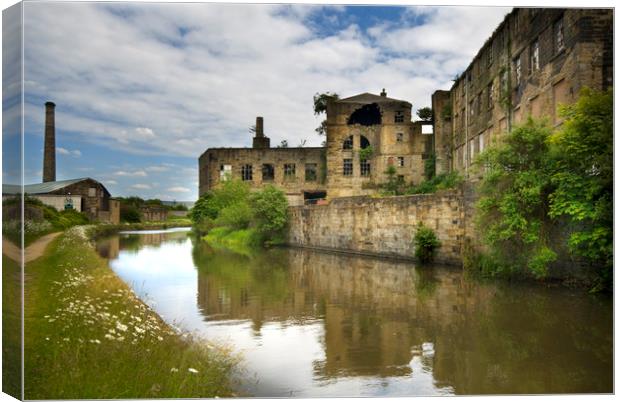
[142, 89]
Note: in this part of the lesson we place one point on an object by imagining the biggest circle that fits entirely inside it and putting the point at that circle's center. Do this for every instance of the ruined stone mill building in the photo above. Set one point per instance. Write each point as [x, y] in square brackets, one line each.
[535, 60]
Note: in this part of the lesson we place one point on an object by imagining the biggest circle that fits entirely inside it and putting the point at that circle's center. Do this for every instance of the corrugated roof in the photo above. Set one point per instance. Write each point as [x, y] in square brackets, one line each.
[369, 98]
[40, 188]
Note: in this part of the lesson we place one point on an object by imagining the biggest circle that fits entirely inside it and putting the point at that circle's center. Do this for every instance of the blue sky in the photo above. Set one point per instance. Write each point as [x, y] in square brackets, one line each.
[142, 89]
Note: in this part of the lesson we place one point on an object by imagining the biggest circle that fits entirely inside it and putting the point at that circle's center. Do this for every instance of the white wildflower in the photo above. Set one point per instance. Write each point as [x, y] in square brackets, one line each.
[192, 370]
[121, 327]
[174, 370]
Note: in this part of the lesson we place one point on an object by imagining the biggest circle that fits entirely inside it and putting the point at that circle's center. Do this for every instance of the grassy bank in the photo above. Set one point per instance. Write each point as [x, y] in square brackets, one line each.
[242, 241]
[87, 335]
[11, 327]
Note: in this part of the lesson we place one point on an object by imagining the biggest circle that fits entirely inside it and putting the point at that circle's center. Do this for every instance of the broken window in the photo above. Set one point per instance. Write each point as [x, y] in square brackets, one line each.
[289, 170]
[517, 63]
[399, 116]
[364, 143]
[246, 172]
[268, 172]
[367, 115]
[348, 143]
[365, 168]
[490, 89]
[311, 171]
[347, 167]
[400, 137]
[225, 172]
[558, 34]
[401, 161]
[534, 61]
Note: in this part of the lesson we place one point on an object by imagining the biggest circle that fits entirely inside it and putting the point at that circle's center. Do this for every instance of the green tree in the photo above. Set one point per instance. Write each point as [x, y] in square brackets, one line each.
[320, 106]
[513, 203]
[425, 113]
[583, 178]
[270, 213]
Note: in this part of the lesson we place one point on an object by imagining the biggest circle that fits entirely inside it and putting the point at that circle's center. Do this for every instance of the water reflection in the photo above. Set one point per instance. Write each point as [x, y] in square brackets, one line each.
[317, 324]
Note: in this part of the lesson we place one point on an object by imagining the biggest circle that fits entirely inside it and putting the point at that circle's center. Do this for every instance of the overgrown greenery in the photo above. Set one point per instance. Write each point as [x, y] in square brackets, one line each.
[87, 335]
[320, 106]
[130, 207]
[366, 153]
[545, 191]
[429, 166]
[263, 214]
[425, 242]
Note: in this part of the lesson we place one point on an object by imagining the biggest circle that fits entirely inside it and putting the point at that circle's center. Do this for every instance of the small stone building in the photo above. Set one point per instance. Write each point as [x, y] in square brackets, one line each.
[154, 213]
[84, 195]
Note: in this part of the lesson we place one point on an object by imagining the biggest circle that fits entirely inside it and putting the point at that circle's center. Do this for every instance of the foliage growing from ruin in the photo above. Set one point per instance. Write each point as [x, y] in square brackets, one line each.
[583, 178]
[283, 144]
[270, 215]
[429, 166]
[446, 112]
[425, 113]
[366, 153]
[440, 182]
[320, 106]
[425, 243]
[539, 182]
[393, 186]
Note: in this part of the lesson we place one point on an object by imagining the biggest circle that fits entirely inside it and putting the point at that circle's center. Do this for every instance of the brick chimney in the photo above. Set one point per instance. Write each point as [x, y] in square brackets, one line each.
[49, 151]
[260, 141]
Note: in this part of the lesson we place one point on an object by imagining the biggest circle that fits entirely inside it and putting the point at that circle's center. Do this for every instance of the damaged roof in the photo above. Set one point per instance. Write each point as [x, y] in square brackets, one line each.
[369, 98]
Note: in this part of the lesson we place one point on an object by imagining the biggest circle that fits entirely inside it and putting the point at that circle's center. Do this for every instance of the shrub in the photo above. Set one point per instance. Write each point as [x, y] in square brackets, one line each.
[129, 213]
[270, 213]
[440, 182]
[235, 216]
[425, 243]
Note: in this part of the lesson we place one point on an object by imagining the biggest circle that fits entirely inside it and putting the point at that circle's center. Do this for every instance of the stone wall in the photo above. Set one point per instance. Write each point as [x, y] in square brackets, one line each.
[381, 226]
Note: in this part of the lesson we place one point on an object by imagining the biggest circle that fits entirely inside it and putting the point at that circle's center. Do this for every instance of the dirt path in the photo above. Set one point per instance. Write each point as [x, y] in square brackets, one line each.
[32, 252]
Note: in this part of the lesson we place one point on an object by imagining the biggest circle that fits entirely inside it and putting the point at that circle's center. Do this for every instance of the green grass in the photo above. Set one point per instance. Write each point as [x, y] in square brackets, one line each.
[242, 241]
[87, 336]
[11, 327]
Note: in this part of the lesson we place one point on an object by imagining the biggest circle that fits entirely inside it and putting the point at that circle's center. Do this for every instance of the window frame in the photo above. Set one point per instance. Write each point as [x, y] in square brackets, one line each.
[347, 167]
[247, 173]
[315, 170]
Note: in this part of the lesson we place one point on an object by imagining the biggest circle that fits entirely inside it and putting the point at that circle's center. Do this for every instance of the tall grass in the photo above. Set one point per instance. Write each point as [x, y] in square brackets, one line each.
[87, 336]
[242, 241]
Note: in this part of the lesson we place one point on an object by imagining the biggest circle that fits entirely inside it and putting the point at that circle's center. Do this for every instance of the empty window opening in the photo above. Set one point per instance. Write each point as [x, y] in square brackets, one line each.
[367, 115]
[517, 63]
[311, 197]
[348, 143]
[399, 116]
[558, 30]
[311, 171]
[225, 172]
[400, 178]
[400, 137]
[246, 172]
[534, 59]
[364, 143]
[401, 161]
[365, 168]
[268, 172]
[347, 167]
[289, 170]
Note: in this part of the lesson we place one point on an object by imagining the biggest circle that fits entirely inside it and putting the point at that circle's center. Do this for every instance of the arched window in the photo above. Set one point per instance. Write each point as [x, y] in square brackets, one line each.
[364, 143]
[348, 143]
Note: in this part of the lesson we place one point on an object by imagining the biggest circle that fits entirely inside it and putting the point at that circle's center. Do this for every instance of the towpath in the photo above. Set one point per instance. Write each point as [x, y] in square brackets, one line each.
[32, 252]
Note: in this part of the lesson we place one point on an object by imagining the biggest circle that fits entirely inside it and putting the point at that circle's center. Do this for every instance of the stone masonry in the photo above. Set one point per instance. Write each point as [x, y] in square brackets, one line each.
[380, 226]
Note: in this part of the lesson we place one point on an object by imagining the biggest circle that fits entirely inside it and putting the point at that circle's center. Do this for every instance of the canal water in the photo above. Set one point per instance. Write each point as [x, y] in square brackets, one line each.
[309, 323]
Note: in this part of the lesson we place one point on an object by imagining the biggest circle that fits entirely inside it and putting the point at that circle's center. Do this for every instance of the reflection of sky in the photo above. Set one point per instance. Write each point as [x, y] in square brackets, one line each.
[280, 357]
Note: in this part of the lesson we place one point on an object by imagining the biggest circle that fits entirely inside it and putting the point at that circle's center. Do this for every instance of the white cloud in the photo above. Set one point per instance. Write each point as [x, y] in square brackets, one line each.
[137, 173]
[157, 169]
[77, 153]
[179, 189]
[175, 79]
[110, 182]
[140, 186]
[63, 151]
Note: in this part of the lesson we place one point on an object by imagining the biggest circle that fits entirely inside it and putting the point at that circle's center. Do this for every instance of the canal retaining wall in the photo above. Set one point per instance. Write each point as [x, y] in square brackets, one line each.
[382, 226]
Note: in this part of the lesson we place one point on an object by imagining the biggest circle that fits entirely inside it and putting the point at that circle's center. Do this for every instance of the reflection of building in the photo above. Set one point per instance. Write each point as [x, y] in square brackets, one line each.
[377, 313]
